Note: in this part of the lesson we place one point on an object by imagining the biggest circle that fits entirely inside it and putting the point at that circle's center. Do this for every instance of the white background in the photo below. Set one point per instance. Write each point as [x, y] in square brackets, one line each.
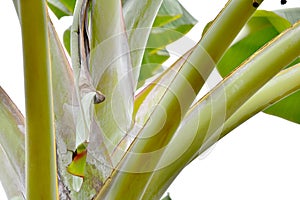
[258, 160]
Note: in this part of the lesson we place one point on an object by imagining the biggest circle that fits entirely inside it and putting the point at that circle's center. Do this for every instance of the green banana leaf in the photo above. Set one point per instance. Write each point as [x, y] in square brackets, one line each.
[67, 39]
[62, 8]
[171, 23]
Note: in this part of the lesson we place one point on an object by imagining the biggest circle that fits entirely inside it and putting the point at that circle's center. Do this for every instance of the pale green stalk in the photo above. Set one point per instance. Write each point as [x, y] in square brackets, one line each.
[284, 84]
[204, 119]
[41, 180]
[135, 168]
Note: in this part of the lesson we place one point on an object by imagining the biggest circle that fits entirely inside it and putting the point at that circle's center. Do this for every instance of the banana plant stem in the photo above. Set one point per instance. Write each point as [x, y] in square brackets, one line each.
[211, 112]
[41, 179]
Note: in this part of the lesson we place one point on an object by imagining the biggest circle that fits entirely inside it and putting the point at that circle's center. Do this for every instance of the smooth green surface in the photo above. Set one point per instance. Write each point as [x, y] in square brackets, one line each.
[40, 137]
[209, 114]
[67, 39]
[260, 29]
[63, 88]
[288, 108]
[284, 85]
[167, 103]
[62, 8]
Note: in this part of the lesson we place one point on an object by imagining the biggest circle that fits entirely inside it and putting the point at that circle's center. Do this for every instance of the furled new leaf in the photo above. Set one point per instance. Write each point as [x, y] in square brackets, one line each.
[65, 108]
[97, 167]
[111, 71]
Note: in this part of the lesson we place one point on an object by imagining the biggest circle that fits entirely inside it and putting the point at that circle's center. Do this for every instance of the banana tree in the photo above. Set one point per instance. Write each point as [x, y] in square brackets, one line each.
[114, 123]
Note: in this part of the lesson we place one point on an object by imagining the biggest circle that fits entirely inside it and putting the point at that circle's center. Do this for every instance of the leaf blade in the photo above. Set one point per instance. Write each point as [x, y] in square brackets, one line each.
[12, 147]
[139, 17]
[62, 8]
[171, 23]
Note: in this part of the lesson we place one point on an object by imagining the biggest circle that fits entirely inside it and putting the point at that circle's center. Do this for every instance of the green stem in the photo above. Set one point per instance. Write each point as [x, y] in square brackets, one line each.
[207, 117]
[41, 180]
[175, 102]
[284, 84]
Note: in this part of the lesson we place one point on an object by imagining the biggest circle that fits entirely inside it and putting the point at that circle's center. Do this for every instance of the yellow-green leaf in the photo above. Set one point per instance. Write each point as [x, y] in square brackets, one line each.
[77, 166]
